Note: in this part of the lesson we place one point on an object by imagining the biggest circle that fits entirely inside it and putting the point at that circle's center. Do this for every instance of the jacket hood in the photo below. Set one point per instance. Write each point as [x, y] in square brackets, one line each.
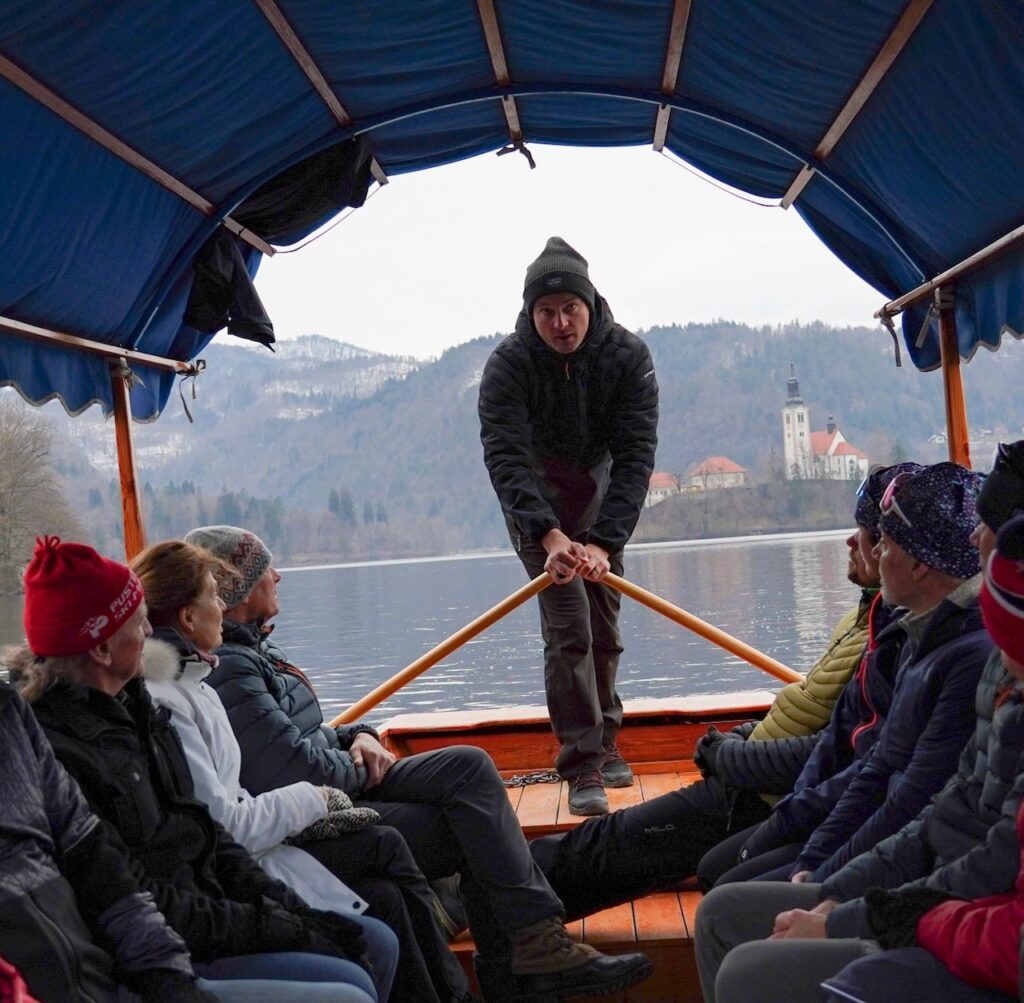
[161, 662]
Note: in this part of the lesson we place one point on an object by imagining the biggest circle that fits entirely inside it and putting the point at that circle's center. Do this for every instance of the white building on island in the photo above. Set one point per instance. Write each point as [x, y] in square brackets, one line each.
[812, 456]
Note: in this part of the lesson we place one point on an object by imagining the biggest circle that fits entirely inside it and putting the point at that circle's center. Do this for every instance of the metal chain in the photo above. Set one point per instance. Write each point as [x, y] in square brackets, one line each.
[526, 779]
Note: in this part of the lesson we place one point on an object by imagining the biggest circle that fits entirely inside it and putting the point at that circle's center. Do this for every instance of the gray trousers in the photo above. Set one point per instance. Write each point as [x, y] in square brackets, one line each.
[580, 626]
[738, 965]
[452, 809]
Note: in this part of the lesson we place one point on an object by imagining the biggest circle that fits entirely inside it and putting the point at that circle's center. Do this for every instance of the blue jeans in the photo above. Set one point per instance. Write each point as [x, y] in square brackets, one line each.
[287, 975]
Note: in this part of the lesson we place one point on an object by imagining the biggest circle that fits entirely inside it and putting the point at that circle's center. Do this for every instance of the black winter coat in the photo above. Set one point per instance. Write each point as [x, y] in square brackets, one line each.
[965, 842]
[569, 439]
[843, 745]
[126, 756]
[276, 718]
[65, 880]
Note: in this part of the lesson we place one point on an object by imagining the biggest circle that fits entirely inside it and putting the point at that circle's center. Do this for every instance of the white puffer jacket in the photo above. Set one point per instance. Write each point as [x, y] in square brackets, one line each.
[174, 678]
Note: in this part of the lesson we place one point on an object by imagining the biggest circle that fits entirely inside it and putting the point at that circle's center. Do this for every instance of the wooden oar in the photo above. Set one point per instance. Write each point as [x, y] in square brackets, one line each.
[705, 629]
[442, 650]
[538, 584]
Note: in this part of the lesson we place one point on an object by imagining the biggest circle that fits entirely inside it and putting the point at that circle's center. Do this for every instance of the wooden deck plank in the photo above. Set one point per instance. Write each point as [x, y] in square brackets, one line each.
[689, 900]
[659, 917]
[654, 785]
[539, 805]
[611, 926]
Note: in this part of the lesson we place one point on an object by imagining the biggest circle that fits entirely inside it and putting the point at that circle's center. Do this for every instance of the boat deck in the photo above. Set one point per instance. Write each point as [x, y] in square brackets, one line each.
[660, 925]
[657, 739]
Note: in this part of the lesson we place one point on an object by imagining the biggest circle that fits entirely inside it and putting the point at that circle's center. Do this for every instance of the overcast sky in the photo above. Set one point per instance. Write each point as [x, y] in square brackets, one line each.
[437, 258]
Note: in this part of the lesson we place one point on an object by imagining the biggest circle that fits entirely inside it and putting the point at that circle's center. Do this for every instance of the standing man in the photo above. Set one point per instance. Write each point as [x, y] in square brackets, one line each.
[568, 420]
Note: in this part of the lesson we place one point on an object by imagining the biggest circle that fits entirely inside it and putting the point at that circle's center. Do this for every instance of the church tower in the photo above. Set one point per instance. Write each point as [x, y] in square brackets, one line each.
[796, 432]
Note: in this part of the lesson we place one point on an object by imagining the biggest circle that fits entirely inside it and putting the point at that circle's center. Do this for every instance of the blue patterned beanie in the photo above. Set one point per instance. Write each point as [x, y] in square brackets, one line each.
[938, 503]
[869, 494]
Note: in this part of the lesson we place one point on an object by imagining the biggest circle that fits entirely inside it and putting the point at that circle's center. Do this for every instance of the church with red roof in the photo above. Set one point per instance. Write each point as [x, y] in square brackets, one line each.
[812, 456]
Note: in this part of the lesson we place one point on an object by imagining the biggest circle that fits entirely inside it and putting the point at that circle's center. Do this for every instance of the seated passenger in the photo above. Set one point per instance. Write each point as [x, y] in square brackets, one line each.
[66, 888]
[85, 622]
[185, 610]
[657, 844]
[450, 805]
[963, 843]
[969, 950]
[928, 566]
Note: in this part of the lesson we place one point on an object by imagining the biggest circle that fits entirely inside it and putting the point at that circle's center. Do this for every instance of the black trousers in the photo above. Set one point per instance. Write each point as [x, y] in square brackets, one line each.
[613, 858]
[722, 865]
[378, 865]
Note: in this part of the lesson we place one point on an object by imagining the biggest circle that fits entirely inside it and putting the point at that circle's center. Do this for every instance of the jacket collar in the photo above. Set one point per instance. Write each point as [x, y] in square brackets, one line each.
[248, 635]
[169, 656]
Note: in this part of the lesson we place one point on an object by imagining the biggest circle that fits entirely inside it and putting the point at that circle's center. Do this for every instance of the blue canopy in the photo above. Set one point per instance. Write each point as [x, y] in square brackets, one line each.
[221, 95]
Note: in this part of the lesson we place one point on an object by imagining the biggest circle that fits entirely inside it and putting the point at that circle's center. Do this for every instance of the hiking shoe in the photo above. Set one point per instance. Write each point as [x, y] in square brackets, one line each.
[586, 794]
[449, 909]
[548, 965]
[616, 772]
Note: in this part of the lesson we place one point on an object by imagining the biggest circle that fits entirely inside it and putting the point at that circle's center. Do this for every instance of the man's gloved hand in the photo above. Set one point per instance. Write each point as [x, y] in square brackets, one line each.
[893, 915]
[345, 934]
[165, 985]
[280, 929]
[706, 750]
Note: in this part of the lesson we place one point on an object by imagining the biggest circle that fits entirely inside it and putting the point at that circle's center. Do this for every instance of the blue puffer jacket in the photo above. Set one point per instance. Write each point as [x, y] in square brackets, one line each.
[965, 842]
[841, 750]
[65, 883]
[931, 719]
[276, 718]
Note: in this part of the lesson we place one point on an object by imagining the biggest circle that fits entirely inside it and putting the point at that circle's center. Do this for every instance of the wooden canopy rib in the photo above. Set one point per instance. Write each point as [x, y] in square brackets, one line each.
[673, 59]
[492, 34]
[48, 98]
[283, 29]
[34, 333]
[900, 35]
[986, 254]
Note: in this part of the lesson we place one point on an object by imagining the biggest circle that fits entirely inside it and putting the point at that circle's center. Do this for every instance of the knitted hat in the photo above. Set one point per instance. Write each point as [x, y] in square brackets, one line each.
[869, 494]
[932, 515]
[1002, 592]
[1002, 494]
[244, 551]
[75, 598]
[559, 269]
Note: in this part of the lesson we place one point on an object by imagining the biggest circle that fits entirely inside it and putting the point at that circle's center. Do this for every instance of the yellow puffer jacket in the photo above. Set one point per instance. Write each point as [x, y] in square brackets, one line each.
[804, 708]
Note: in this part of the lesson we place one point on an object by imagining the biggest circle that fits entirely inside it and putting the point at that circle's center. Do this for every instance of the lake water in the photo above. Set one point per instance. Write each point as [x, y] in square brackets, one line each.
[353, 626]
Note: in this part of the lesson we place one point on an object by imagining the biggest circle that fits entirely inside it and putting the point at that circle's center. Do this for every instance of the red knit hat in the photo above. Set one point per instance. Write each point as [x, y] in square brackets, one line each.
[1002, 591]
[75, 598]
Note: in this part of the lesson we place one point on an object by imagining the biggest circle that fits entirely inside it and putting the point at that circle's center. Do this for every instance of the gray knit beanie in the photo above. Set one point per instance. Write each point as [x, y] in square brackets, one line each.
[244, 551]
[558, 269]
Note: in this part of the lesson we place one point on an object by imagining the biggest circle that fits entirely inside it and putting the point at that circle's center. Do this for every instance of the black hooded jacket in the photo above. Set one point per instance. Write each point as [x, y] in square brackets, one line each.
[569, 439]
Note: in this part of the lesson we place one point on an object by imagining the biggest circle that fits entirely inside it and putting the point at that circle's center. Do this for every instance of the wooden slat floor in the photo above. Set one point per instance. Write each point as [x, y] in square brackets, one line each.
[661, 925]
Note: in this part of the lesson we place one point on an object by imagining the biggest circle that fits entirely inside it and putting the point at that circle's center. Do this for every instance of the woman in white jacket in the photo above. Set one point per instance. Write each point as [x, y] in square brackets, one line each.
[375, 872]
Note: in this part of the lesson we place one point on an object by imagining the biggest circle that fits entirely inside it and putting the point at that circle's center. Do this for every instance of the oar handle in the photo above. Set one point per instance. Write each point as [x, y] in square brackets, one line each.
[704, 629]
[442, 650]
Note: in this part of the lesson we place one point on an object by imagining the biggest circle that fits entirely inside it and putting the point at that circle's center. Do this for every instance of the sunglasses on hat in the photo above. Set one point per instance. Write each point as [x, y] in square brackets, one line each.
[889, 503]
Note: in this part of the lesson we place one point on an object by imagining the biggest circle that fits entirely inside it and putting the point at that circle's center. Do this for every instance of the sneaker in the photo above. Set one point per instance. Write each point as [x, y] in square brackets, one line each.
[547, 965]
[586, 794]
[616, 772]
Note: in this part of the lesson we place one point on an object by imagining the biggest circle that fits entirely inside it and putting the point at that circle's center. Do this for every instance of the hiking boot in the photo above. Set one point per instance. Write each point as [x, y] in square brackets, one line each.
[547, 965]
[448, 906]
[586, 794]
[616, 772]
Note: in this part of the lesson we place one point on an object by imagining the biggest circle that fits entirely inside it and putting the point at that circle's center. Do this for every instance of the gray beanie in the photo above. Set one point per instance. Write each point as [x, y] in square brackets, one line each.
[558, 269]
[244, 551]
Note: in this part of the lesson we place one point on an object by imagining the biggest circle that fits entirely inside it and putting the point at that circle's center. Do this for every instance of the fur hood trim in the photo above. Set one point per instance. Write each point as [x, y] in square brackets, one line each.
[161, 663]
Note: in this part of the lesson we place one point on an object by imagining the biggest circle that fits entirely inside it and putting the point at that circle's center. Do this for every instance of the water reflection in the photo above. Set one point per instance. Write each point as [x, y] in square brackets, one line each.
[353, 627]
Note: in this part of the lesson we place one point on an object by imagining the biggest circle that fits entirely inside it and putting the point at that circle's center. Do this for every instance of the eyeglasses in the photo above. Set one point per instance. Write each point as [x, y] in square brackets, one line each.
[889, 503]
[1000, 456]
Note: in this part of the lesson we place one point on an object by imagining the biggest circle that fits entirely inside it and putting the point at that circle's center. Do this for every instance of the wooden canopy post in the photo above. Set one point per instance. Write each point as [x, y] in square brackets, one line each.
[131, 504]
[957, 433]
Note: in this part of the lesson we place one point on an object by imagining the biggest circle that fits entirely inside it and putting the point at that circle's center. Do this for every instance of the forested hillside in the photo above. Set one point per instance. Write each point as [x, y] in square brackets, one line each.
[334, 452]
